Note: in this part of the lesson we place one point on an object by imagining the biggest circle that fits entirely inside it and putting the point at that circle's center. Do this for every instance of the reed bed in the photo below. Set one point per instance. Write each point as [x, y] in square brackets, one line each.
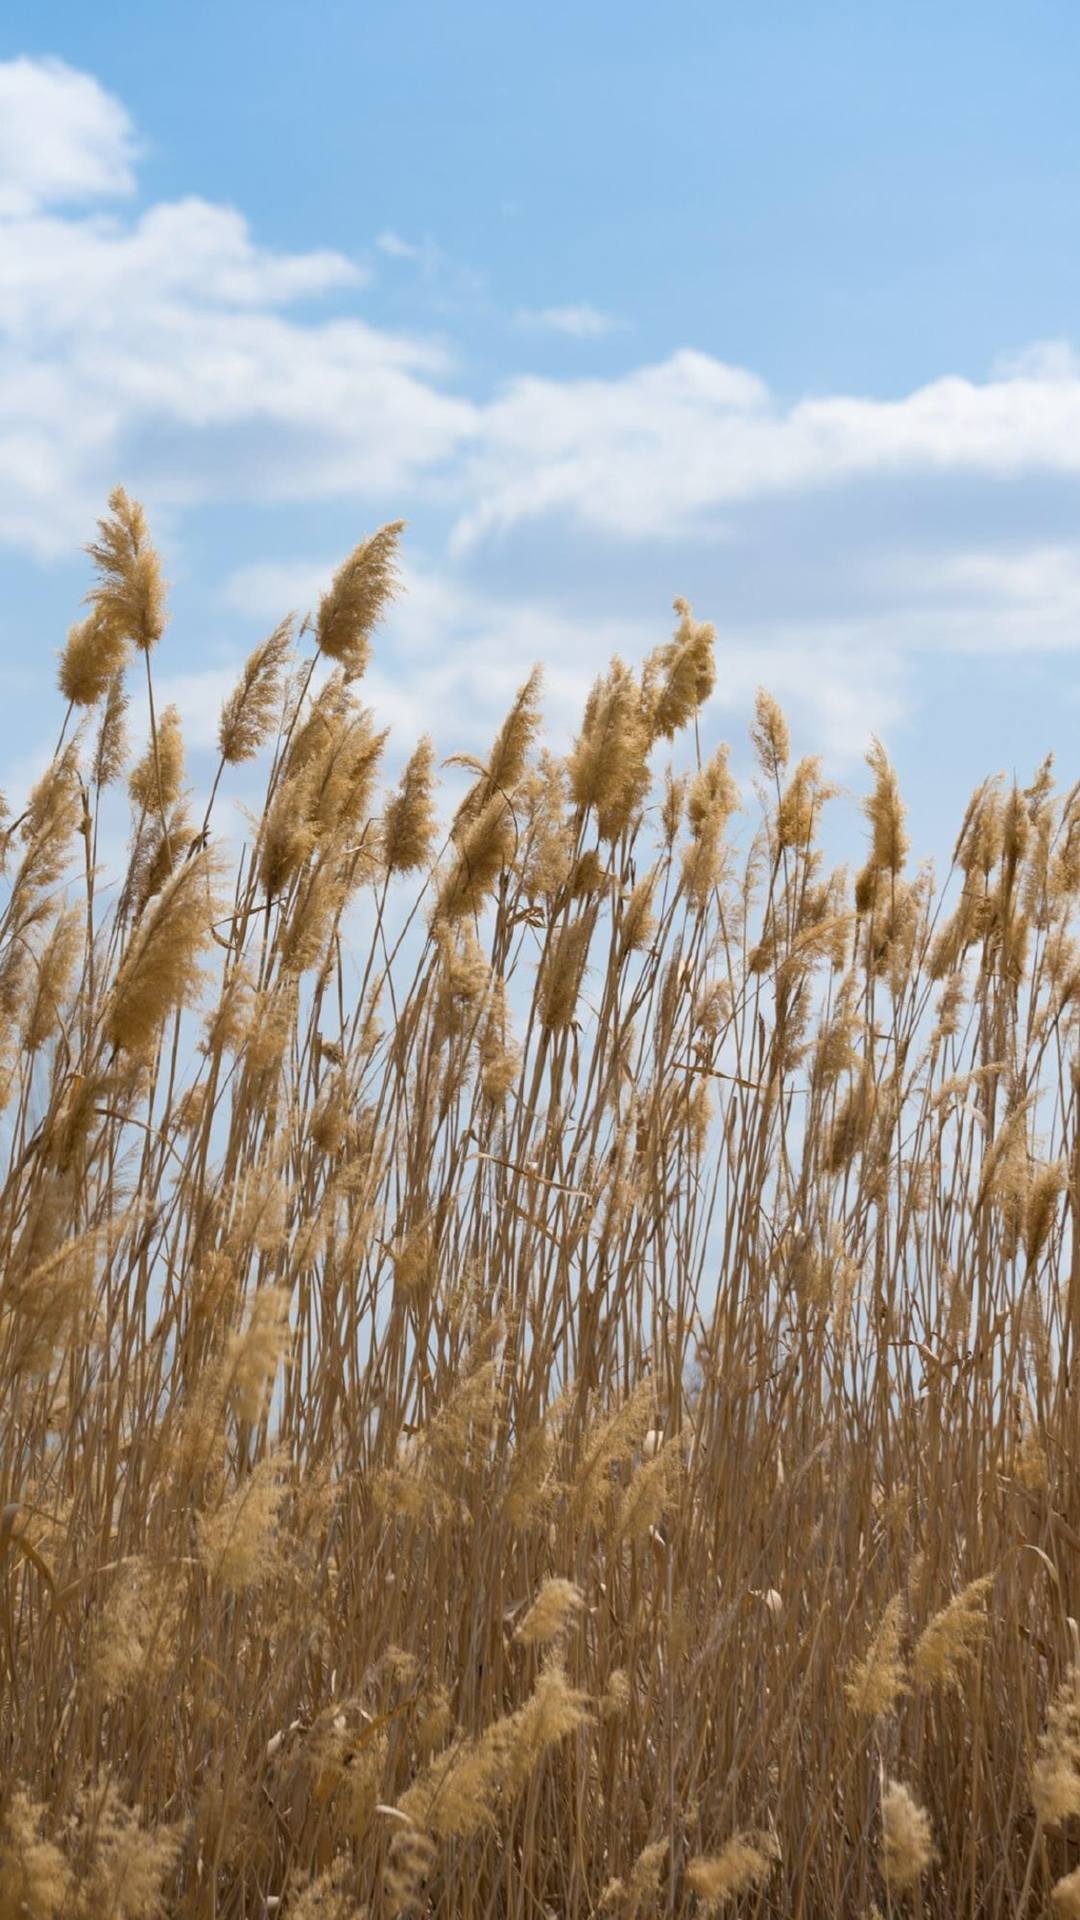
[537, 1335]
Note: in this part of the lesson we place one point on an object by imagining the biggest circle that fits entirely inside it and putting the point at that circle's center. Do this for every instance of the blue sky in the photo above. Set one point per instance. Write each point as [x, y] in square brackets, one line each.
[774, 306]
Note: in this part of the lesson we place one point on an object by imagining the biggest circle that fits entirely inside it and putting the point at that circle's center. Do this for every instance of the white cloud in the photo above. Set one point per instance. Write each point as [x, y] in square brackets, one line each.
[1022, 600]
[168, 348]
[199, 698]
[1046, 360]
[62, 137]
[840, 682]
[159, 348]
[450, 657]
[163, 348]
[1032, 577]
[430, 607]
[429, 259]
[396, 248]
[658, 450]
[64, 281]
[269, 589]
[580, 322]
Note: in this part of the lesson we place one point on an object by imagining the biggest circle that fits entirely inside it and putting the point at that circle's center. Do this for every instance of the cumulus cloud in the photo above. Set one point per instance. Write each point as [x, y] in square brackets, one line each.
[660, 449]
[163, 346]
[166, 346]
[62, 137]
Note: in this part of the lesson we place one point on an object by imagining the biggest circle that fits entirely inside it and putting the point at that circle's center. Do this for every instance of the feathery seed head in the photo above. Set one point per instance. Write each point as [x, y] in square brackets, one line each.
[712, 799]
[236, 1539]
[409, 824]
[110, 751]
[160, 972]
[638, 921]
[1055, 1781]
[671, 807]
[129, 597]
[254, 1355]
[252, 708]
[506, 763]
[608, 764]
[742, 1865]
[92, 657]
[54, 968]
[801, 803]
[769, 733]
[485, 850]
[551, 1613]
[155, 781]
[679, 676]
[952, 1639]
[1065, 1895]
[361, 590]
[885, 811]
[563, 972]
[35, 1879]
[876, 1682]
[907, 1848]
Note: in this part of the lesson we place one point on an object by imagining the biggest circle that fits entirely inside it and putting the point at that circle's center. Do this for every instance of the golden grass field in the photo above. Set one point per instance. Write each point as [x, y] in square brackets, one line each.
[537, 1335]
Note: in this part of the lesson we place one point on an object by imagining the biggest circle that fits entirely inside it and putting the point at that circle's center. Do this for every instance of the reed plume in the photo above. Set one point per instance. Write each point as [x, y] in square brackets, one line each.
[361, 590]
[537, 1331]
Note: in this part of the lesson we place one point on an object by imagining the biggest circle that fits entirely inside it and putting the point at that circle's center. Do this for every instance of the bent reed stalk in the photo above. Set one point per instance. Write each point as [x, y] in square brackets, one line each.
[537, 1347]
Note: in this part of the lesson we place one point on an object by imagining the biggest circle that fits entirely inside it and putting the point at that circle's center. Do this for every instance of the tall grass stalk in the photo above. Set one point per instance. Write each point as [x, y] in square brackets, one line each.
[537, 1346]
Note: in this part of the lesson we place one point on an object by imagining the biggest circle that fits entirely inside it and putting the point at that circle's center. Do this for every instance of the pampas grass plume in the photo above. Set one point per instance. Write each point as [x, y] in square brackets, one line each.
[161, 971]
[551, 1612]
[129, 598]
[907, 1848]
[741, 1866]
[361, 590]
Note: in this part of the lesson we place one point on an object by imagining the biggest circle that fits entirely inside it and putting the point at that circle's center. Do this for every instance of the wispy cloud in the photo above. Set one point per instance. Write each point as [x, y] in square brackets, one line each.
[429, 260]
[1043, 360]
[393, 245]
[451, 655]
[578, 322]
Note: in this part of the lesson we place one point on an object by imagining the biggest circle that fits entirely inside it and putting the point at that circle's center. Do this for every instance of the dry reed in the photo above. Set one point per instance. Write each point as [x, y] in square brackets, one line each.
[537, 1343]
